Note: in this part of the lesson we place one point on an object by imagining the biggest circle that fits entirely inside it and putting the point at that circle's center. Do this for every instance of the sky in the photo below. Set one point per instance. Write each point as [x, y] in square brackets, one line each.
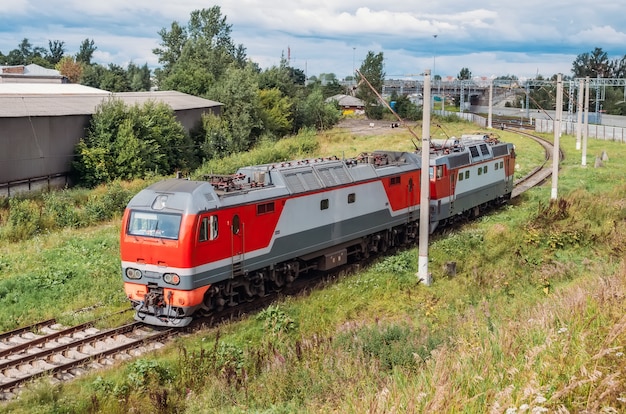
[489, 37]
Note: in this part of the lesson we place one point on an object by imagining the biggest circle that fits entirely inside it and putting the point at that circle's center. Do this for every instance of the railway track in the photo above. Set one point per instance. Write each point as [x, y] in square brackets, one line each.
[62, 353]
[48, 349]
[540, 173]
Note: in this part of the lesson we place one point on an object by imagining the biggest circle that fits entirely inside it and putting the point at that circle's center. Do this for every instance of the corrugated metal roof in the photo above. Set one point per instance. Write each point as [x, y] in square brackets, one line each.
[48, 99]
[31, 70]
[346, 100]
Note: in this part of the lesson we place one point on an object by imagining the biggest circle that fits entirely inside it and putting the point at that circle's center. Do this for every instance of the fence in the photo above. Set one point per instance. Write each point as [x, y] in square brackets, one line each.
[32, 184]
[604, 132]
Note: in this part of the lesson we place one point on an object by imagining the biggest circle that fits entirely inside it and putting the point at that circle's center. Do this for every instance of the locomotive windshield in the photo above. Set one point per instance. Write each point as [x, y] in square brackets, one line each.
[161, 225]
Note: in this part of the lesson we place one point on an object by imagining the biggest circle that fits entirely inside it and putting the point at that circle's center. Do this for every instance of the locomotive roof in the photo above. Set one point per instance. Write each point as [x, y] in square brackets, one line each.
[266, 181]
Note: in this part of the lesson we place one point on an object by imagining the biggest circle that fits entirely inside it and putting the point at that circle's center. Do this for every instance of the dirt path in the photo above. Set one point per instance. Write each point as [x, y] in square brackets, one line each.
[366, 126]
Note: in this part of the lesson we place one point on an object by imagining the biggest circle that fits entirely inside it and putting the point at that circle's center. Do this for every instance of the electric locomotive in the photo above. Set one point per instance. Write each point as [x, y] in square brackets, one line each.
[197, 246]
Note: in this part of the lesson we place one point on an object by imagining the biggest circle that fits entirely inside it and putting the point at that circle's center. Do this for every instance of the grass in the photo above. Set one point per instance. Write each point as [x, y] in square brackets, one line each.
[533, 319]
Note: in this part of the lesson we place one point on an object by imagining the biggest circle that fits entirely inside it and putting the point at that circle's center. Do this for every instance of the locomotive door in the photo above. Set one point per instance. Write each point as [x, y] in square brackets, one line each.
[237, 245]
[411, 199]
[452, 190]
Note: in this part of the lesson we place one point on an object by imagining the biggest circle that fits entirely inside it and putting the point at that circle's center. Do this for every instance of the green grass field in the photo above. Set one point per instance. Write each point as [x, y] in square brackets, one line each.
[532, 320]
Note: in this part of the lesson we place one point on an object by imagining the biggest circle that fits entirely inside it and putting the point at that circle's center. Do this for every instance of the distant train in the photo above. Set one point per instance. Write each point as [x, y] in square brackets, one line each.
[197, 246]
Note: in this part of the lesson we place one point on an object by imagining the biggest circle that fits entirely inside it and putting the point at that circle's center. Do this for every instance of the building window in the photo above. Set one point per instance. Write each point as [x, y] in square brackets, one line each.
[496, 166]
[467, 175]
[485, 169]
[324, 204]
[351, 198]
[480, 170]
[501, 164]
[265, 208]
[461, 176]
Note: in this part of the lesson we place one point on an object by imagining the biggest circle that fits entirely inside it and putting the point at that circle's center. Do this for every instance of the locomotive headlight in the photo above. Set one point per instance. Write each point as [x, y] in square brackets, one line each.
[171, 278]
[133, 273]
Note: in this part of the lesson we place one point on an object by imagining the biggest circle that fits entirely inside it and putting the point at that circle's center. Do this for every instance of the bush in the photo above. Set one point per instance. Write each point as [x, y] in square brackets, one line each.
[24, 220]
[131, 142]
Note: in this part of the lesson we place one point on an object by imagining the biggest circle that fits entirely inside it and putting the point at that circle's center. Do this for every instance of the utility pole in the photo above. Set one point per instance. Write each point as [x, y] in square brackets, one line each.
[424, 226]
[557, 135]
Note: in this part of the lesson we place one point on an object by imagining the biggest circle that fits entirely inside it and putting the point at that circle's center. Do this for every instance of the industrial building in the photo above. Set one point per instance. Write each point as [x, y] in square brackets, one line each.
[41, 122]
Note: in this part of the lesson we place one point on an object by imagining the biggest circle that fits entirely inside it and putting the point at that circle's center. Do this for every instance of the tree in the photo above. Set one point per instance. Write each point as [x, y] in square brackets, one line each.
[594, 64]
[114, 79]
[618, 68]
[138, 77]
[197, 56]
[69, 68]
[238, 91]
[57, 50]
[372, 70]
[85, 52]
[172, 43]
[407, 109]
[464, 74]
[313, 111]
[276, 112]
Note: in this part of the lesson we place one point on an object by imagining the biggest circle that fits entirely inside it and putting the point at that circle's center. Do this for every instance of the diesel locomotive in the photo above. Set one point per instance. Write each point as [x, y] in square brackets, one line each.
[192, 247]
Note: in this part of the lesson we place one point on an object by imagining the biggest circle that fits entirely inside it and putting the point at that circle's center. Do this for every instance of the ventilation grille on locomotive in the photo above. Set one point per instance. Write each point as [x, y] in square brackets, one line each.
[459, 160]
[301, 180]
[333, 175]
[500, 150]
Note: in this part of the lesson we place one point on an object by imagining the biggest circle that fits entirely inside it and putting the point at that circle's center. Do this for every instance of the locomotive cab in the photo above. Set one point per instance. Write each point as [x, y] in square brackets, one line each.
[157, 228]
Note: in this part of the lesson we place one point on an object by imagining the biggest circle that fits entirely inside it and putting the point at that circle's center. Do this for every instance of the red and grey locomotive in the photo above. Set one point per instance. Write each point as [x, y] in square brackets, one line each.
[197, 246]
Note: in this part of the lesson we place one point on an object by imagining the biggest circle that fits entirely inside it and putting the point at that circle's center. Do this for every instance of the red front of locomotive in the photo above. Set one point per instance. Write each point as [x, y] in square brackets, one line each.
[158, 234]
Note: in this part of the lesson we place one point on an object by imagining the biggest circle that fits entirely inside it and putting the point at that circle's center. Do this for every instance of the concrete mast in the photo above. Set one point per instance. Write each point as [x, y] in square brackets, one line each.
[557, 136]
[424, 226]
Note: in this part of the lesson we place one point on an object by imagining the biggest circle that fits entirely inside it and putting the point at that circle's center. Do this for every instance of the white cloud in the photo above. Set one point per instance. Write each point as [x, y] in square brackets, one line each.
[486, 36]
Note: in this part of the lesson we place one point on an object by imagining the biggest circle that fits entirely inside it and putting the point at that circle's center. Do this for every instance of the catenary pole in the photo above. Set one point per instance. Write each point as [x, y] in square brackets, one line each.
[424, 224]
[557, 136]
[579, 113]
[585, 123]
[489, 116]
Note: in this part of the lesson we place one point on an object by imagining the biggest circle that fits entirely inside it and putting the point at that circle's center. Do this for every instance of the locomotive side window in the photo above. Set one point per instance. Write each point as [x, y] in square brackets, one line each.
[214, 227]
[236, 224]
[324, 204]
[394, 181]
[203, 233]
[208, 229]
[161, 225]
[439, 171]
[265, 208]
[351, 198]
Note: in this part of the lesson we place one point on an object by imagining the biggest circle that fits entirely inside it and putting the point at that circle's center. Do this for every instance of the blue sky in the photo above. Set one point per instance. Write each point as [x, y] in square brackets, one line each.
[490, 37]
